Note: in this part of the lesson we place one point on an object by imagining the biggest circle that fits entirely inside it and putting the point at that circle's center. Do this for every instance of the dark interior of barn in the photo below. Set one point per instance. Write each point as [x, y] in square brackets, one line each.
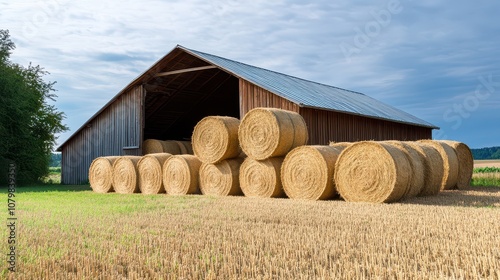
[182, 94]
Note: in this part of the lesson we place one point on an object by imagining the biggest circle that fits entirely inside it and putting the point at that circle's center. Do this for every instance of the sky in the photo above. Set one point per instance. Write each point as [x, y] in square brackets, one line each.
[438, 60]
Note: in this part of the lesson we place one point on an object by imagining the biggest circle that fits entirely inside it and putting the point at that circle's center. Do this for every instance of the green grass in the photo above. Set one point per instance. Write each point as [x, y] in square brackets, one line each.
[54, 176]
[85, 202]
[54, 170]
[486, 176]
[487, 170]
[486, 182]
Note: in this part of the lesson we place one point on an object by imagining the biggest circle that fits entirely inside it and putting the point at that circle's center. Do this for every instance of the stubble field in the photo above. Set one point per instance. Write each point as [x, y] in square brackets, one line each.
[487, 163]
[78, 234]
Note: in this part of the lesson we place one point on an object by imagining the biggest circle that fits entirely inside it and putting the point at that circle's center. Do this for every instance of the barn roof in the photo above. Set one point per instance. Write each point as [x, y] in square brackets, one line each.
[312, 94]
[302, 92]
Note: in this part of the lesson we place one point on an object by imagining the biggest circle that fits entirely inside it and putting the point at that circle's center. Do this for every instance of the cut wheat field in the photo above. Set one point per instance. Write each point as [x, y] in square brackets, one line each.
[73, 233]
[487, 163]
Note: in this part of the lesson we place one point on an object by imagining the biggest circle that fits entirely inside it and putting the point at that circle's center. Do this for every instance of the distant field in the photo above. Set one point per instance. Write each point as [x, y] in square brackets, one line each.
[487, 163]
[69, 232]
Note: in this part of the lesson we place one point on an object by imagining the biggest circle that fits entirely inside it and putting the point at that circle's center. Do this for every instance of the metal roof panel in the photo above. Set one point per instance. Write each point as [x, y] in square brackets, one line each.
[312, 94]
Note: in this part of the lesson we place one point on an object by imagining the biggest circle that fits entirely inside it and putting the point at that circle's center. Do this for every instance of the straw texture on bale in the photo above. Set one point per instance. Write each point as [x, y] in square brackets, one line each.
[450, 163]
[372, 172]
[307, 172]
[215, 138]
[171, 147]
[101, 174]
[221, 179]
[180, 175]
[465, 163]
[125, 174]
[152, 146]
[433, 168]
[340, 145]
[150, 173]
[271, 132]
[188, 147]
[301, 135]
[261, 178]
[416, 161]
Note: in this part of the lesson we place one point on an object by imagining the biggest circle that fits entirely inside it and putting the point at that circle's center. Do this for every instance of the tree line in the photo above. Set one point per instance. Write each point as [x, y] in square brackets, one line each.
[486, 153]
[28, 122]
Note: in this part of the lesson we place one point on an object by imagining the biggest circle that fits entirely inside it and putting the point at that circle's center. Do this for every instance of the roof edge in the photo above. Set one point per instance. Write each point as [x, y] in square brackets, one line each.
[192, 52]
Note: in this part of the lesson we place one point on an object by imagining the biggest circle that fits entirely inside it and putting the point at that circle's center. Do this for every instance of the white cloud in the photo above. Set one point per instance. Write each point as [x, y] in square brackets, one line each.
[427, 56]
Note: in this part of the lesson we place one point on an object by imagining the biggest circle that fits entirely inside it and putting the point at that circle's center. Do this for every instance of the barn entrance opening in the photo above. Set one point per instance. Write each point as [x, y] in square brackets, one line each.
[175, 101]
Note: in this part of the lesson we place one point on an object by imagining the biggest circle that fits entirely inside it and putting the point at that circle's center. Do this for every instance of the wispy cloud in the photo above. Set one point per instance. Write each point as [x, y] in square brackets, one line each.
[420, 56]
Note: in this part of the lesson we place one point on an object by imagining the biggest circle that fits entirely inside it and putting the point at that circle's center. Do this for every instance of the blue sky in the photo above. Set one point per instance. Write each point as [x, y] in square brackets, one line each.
[438, 60]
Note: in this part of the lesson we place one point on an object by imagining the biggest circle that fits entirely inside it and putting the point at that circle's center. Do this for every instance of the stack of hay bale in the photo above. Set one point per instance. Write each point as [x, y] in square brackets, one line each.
[215, 143]
[173, 147]
[266, 156]
[168, 167]
[388, 171]
[266, 135]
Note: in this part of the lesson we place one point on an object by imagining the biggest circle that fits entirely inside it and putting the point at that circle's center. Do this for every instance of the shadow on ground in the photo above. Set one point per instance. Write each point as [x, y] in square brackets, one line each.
[473, 197]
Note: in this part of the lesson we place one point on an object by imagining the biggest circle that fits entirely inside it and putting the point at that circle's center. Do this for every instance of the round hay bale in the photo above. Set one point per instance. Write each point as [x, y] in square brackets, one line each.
[433, 168]
[182, 148]
[152, 146]
[307, 172]
[340, 145]
[450, 163]
[261, 178]
[150, 173]
[215, 139]
[270, 132]
[180, 175]
[101, 174]
[171, 147]
[221, 179]
[416, 161]
[125, 174]
[301, 135]
[188, 147]
[372, 172]
[465, 163]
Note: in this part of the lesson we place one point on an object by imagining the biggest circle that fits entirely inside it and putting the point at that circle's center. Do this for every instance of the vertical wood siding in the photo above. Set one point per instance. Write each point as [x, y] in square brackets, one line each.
[252, 96]
[326, 126]
[118, 126]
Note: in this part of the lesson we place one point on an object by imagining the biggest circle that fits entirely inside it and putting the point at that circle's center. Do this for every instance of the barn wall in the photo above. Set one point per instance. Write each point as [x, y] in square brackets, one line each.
[326, 126]
[252, 96]
[118, 126]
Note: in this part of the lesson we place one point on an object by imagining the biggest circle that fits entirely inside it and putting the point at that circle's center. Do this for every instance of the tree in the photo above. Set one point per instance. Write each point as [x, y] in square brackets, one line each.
[28, 123]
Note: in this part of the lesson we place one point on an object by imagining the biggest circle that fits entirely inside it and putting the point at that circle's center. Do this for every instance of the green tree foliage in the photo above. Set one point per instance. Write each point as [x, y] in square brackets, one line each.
[55, 160]
[28, 123]
[486, 153]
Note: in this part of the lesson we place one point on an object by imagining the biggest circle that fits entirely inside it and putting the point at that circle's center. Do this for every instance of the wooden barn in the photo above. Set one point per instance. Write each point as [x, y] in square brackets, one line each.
[167, 101]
